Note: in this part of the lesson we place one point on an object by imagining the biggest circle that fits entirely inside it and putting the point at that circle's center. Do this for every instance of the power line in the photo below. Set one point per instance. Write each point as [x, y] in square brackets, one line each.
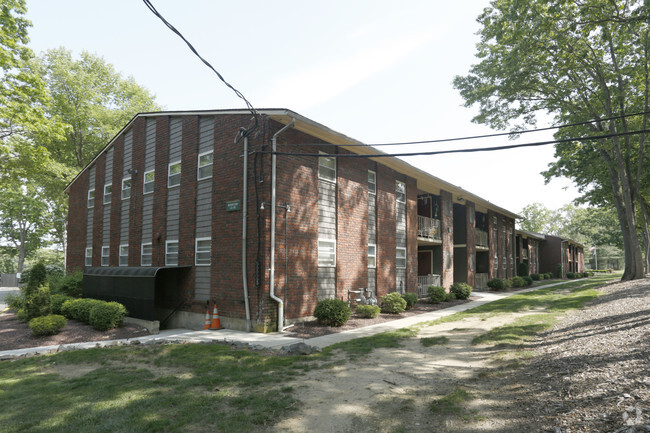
[475, 137]
[471, 150]
[173, 29]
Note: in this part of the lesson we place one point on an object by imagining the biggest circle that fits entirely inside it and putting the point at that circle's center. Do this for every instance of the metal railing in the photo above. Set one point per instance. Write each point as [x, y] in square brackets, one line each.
[481, 238]
[424, 281]
[481, 280]
[429, 228]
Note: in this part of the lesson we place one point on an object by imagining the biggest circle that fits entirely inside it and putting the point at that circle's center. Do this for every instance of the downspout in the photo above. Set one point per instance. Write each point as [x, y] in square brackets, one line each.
[244, 251]
[273, 205]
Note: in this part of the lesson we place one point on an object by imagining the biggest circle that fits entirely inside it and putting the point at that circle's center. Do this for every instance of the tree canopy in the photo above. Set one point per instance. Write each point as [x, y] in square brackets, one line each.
[580, 62]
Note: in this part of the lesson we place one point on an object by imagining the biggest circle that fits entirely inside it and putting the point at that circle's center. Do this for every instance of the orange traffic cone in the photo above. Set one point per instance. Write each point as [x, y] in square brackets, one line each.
[207, 319]
[216, 323]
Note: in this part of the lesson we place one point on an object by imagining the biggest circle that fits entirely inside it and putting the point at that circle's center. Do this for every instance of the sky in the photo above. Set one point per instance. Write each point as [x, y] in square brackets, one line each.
[377, 71]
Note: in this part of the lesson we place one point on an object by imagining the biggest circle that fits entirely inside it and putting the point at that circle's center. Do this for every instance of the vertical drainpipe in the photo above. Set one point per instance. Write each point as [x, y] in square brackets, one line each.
[273, 205]
[244, 235]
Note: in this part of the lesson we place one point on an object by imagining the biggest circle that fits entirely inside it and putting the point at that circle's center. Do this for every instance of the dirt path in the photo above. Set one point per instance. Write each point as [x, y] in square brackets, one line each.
[391, 389]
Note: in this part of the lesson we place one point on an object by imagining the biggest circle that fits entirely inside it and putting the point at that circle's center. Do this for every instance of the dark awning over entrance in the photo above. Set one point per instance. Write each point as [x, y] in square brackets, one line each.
[142, 290]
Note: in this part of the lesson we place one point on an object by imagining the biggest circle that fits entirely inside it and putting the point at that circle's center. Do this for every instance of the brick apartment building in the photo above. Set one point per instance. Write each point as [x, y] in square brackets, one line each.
[174, 214]
[543, 253]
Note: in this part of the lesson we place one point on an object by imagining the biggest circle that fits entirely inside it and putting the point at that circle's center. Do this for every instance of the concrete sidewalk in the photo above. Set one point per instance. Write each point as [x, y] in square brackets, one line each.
[276, 340]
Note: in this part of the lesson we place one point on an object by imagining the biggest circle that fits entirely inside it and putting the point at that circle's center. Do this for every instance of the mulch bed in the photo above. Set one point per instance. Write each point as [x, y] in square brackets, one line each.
[313, 329]
[15, 334]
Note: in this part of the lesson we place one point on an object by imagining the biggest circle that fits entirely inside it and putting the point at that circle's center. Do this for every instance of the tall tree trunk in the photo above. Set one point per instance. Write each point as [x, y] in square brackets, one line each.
[645, 215]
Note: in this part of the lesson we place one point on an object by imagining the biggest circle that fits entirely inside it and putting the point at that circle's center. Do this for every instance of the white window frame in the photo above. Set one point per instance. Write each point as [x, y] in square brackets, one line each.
[148, 255]
[372, 255]
[372, 183]
[175, 175]
[398, 259]
[200, 254]
[324, 170]
[126, 192]
[108, 186]
[147, 186]
[124, 258]
[89, 256]
[327, 254]
[204, 167]
[169, 262]
[91, 200]
[106, 255]
[398, 193]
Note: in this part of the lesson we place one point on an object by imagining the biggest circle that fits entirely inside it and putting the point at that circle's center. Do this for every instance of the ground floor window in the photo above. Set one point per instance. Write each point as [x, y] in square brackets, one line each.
[171, 253]
[327, 252]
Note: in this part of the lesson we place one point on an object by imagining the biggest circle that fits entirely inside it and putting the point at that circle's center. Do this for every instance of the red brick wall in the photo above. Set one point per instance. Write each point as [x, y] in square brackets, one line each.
[470, 222]
[386, 227]
[411, 235]
[137, 178]
[160, 192]
[98, 217]
[116, 200]
[447, 227]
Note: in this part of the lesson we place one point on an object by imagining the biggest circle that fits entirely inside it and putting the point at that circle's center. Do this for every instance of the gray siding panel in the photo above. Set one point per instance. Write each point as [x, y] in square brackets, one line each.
[91, 212]
[401, 225]
[401, 280]
[147, 218]
[326, 210]
[326, 283]
[150, 144]
[202, 283]
[173, 212]
[128, 151]
[372, 220]
[372, 280]
[206, 134]
[175, 139]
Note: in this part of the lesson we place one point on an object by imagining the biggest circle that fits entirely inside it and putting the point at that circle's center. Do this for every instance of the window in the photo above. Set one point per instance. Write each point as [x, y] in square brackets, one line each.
[372, 182]
[205, 165]
[124, 255]
[91, 198]
[89, 256]
[126, 188]
[202, 251]
[327, 168]
[174, 174]
[326, 252]
[108, 189]
[372, 255]
[171, 253]
[105, 251]
[400, 191]
[400, 258]
[149, 177]
[146, 254]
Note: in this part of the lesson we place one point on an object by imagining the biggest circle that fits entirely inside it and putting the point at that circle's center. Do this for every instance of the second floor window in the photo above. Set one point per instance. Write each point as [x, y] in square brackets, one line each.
[126, 188]
[171, 253]
[108, 190]
[205, 165]
[149, 177]
[174, 175]
[91, 198]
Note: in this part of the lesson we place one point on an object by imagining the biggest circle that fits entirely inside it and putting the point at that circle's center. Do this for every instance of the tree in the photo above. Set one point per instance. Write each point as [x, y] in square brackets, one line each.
[581, 62]
[539, 219]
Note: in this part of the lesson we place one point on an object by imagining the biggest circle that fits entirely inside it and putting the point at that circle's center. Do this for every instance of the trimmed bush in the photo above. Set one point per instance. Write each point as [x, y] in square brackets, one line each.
[393, 303]
[535, 277]
[543, 277]
[549, 275]
[558, 271]
[70, 285]
[57, 301]
[332, 312]
[437, 294]
[528, 281]
[517, 281]
[368, 311]
[107, 315]
[79, 309]
[585, 274]
[570, 275]
[450, 297]
[411, 299]
[522, 269]
[461, 290]
[37, 304]
[47, 325]
[496, 284]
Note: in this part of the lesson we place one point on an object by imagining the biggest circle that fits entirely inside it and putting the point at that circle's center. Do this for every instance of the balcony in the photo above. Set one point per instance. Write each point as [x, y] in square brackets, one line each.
[424, 281]
[481, 238]
[429, 229]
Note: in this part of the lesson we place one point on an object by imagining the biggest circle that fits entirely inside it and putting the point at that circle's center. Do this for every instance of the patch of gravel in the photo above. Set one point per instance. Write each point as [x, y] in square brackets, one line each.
[591, 372]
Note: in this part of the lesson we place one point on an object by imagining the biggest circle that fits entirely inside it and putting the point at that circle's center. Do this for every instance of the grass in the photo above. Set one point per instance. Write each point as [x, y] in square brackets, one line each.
[515, 333]
[451, 404]
[434, 341]
[363, 346]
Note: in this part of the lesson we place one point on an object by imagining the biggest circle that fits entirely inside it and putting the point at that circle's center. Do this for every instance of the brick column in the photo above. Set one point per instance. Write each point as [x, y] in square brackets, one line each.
[116, 200]
[411, 235]
[447, 227]
[160, 192]
[77, 220]
[98, 216]
[137, 179]
[470, 223]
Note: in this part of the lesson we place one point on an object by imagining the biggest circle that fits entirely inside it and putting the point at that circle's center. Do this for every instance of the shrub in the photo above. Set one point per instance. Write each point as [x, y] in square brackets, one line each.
[570, 275]
[47, 325]
[332, 312]
[79, 309]
[522, 269]
[57, 301]
[549, 275]
[536, 277]
[542, 276]
[437, 294]
[461, 290]
[411, 299]
[36, 277]
[558, 271]
[507, 283]
[15, 302]
[37, 303]
[585, 274]
[107, 315]
[70, 285]
[393, 303]
[450, 297]
[496, 284]
[368, 311]
[528, 281]
[517, 281]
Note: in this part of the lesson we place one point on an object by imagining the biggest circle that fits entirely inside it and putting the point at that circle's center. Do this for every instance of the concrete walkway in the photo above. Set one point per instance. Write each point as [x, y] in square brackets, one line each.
[275, 340]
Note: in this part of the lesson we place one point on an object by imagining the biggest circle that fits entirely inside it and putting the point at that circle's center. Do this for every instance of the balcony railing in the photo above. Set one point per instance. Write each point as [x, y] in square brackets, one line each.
[481, 238]
[429, 228]
[481, 280]
[424, 281]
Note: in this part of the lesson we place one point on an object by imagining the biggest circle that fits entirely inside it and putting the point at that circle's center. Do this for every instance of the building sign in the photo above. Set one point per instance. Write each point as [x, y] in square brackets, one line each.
[233, 205]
